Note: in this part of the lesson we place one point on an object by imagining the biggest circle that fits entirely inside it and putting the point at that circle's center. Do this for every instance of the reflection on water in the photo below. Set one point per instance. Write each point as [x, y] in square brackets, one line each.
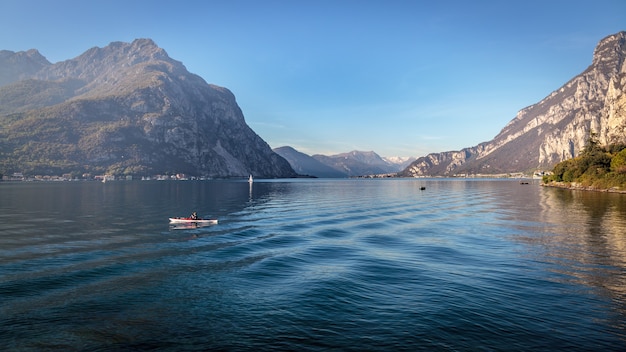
[582, 235]
[190, 225]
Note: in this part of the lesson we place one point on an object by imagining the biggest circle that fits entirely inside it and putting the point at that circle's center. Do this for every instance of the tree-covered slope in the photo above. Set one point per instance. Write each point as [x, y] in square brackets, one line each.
[598, 167]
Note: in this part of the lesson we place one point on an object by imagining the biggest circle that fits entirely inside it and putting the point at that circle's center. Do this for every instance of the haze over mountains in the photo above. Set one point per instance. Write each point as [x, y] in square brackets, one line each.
[354, 163]
[129, 109]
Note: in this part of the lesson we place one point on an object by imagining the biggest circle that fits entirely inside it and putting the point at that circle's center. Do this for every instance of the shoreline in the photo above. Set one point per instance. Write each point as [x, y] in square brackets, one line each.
[578, 187]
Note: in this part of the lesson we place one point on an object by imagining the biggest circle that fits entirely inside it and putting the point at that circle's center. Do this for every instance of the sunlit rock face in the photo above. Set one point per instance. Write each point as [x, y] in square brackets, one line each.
[552, 130]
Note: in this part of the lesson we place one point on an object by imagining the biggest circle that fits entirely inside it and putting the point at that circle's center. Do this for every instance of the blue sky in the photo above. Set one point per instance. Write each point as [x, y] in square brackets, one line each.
[401, 78]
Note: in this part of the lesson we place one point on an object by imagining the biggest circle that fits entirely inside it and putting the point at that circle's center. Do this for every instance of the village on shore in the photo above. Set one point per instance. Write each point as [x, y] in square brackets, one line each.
[20, 177]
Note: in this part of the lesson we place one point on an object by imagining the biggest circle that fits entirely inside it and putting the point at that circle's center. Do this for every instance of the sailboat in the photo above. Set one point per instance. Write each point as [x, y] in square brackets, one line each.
[250, 179]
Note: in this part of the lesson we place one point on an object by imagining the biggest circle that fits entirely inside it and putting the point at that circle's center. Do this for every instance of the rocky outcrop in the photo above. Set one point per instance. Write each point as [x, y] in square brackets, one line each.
[128, 108]
[554, 129]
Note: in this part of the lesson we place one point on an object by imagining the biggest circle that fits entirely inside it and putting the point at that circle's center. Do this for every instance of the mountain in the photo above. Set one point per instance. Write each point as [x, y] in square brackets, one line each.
[357, 163]
[397, 162]
[16, 66]
[354, 163]
[554, 129]
[304, 164]
[127, 108]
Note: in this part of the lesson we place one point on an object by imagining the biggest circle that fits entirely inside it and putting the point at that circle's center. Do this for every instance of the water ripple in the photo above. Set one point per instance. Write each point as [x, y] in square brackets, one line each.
[312, 265]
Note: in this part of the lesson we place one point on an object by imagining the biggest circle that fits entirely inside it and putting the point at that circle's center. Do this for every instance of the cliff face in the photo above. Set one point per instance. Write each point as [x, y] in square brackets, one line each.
[128, 108]
[554, 129]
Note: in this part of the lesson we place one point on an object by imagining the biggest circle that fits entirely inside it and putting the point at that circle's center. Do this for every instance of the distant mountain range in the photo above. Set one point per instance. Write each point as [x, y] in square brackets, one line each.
[304, 164]
[354, 163]
[554, 129]
[125, 109]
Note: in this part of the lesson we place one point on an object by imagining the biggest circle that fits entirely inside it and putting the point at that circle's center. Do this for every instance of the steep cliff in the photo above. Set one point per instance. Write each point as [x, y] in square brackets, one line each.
[127, 108]
[554, 129]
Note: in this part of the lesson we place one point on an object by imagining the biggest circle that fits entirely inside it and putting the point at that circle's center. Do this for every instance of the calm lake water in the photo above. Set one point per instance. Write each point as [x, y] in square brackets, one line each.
[311, 265]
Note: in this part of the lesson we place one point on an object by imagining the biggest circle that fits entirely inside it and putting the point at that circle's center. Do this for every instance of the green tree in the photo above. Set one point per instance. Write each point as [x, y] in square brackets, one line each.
[591, 145]
[618, 162]
[560, 169]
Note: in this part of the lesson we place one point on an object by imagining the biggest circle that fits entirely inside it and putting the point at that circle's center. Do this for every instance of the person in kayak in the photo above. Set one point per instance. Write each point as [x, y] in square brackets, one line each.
[194, 216]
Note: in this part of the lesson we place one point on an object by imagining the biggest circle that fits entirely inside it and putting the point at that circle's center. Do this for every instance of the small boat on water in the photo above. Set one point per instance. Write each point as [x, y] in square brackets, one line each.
[250, 180]
[189, 220]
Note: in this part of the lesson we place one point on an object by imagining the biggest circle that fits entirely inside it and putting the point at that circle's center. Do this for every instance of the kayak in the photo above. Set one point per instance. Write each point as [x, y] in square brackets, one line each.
[180, 220]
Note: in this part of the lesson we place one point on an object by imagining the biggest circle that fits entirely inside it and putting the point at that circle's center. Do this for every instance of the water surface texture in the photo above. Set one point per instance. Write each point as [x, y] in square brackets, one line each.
[311, 265]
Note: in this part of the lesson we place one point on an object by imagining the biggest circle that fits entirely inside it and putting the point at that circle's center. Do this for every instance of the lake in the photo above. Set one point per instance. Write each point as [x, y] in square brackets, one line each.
[311, 265]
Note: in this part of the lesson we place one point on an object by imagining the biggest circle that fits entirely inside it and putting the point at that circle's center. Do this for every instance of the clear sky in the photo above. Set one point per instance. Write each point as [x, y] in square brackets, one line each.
[401, 78]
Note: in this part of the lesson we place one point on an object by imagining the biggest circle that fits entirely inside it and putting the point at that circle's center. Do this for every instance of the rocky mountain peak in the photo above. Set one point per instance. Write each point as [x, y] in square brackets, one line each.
[609, 54]
[21, 64]
[127, 54]
[113, 63]
[31, 55]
